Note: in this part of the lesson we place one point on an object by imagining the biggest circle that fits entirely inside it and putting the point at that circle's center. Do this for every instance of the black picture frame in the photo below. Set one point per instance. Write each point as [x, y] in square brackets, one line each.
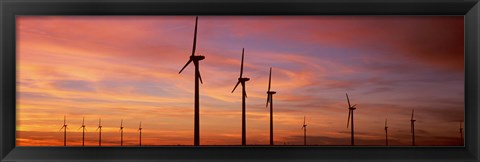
[11, 8]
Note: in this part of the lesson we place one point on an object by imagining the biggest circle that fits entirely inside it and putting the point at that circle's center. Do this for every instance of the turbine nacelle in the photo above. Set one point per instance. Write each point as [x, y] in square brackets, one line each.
[271, 92]
[197, 57]
[243, 79]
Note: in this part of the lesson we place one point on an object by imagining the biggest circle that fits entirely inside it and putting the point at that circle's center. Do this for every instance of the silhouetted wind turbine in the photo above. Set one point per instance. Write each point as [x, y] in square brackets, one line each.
[304, 127]
[121, 132]
[412, 126]
[244, 95]
[100, 132]
[196, 59]
[140, 130]
[83, 131]
[350, 118]
[270, 100]
[386, 132]
[461, 133]
[64, 127]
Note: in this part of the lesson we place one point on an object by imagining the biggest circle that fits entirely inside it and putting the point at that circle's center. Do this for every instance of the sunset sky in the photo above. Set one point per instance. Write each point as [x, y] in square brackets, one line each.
[126, 67]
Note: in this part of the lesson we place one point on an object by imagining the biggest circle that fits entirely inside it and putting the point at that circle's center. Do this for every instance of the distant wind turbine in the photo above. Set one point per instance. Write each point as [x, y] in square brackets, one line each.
[304, 127]
[412, 126]
[244, 95]
[64, 127]
[83, 131]
[270, 100]
[386, 132]
[461, 133]
[350, 119]
[140, 130]
[196, 59]
[100, 131]
[121, 132]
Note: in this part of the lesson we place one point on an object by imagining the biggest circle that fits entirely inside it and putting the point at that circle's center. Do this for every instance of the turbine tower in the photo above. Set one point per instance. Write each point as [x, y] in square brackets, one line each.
[64, 127]
[304, 127]
[350, 119]
[270, 100]
[100, 131]
[83, 131]
[461, 133]
[386, 133]
[121, 132]
[412, 126]
[195, 59]
[140, 130]
[244, 95]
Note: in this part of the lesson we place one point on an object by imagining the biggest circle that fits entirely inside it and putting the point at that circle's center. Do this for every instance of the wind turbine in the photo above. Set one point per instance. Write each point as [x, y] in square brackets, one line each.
[83, 131]
[244, 95]
[196, 59]
[140, 130]
[64, 127]
[121, 132]
[412, 126]
[100, 132]
[386, 132]
[461, 133]
[304, 127]
[350, 121]
[270, 100]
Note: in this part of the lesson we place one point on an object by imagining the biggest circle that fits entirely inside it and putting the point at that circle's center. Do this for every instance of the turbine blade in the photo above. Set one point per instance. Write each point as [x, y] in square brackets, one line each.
[270, 79]
[80, 127]
[304, 121]
[241, 66]
[413, 110]
[97, 129]
[200, 77]
[268, 100]
[385, 122]
[83, 122]
[411, 127]
[195, 36]
[244, 89]
[85, 128]
[348, 121]
[235, 86]
[198, 69]
[348, 100]
[189, 61]
[61, 128]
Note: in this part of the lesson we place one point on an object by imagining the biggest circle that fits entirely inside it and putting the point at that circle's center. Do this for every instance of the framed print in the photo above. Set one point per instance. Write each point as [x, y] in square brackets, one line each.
[213, 80]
